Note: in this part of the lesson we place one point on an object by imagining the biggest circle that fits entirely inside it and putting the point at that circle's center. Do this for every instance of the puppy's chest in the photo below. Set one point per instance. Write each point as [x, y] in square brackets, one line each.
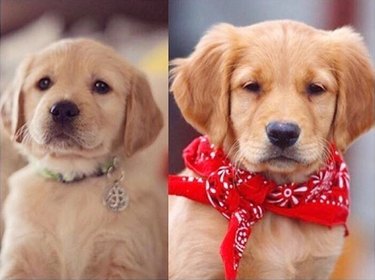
[73, 213]
[274, 239]
[61, 199]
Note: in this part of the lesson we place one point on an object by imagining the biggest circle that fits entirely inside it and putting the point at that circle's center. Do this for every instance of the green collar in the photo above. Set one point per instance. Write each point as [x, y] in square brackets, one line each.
[103, 169]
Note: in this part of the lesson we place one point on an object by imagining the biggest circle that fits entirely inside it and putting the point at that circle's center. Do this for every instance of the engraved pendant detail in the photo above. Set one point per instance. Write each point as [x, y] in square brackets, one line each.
[116, 198]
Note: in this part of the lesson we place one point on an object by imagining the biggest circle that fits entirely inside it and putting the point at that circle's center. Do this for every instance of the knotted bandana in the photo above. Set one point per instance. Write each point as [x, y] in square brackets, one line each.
[242, 196]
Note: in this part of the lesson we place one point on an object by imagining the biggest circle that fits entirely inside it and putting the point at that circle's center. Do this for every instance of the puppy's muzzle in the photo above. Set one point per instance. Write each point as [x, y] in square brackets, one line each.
[64, 112]
[282, 135]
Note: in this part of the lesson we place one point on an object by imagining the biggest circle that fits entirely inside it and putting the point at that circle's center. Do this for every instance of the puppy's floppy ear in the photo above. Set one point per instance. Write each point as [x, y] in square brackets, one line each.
[201, 82]
[11, 103]
[355, 104]
[143, 118]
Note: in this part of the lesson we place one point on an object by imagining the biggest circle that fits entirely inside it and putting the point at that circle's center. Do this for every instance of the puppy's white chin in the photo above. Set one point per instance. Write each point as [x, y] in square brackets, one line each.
[65, 144]
[282, 171]
[74, 151]
[34, 151]
[78, 161]
[282, 166]
[273, 166]
[70, 145]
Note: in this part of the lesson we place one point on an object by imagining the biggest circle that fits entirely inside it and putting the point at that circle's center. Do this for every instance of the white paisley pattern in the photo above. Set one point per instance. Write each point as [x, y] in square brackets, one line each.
[287, 195]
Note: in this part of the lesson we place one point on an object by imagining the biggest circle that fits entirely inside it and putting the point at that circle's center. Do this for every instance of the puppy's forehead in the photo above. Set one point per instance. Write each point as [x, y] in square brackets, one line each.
[282, 47]
[80, 55]
[284, 39]
[280, 31]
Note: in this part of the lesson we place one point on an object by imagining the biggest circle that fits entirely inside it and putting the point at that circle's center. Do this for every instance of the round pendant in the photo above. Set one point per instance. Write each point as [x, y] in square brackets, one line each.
[116, 198]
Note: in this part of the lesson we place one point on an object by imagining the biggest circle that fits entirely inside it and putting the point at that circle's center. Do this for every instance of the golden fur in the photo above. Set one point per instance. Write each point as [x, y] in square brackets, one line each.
[209, 86]
[57, 231]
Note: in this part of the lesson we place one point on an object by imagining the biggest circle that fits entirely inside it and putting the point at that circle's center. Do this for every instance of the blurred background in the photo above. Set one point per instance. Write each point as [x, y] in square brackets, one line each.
[137, 29]
[188, 20]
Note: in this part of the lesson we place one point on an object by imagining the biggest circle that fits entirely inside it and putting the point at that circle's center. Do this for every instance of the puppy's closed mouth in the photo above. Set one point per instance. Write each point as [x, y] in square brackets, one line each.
[289, 156]
[283, 159]
[61, 136]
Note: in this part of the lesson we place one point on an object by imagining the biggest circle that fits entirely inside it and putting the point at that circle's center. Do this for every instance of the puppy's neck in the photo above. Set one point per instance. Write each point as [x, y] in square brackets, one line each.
[70, 166]
[279, 178]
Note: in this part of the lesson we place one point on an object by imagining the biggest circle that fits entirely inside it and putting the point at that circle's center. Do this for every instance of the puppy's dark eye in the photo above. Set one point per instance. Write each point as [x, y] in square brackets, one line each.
[253, 87]
[315, 89]
[44, 83]
[101, 87]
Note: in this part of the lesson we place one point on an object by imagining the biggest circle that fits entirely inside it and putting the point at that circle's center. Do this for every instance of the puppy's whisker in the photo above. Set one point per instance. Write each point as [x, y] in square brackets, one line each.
[23, 133]
[326, 151]
[239, 162]
[233, 148]
[238, 159]
[236, 154]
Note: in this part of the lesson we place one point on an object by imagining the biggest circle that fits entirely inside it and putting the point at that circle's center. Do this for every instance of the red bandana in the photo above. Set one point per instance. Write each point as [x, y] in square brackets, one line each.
[242, 197]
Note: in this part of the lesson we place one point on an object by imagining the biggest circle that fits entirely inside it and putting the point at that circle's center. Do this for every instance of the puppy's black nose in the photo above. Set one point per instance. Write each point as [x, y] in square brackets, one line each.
[282, 134]
[64, 111]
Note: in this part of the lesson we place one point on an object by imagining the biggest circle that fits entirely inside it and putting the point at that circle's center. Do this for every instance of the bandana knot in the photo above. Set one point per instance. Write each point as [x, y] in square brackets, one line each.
[243, 197]
[228, 191]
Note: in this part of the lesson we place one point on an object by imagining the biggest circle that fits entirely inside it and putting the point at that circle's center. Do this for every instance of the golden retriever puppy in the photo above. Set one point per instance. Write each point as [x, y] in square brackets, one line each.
[273, 96]
[78, 210]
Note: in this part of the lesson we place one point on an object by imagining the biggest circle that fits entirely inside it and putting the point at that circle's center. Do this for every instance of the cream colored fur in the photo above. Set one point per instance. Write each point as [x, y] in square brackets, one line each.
[284, 58]
[64, 231]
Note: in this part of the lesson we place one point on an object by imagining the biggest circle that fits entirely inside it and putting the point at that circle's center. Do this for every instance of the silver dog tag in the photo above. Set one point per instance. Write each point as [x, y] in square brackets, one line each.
[116, 198]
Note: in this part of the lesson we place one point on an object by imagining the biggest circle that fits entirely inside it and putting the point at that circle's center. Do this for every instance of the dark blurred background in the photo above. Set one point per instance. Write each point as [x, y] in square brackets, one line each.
[188, 20]
[16, 13]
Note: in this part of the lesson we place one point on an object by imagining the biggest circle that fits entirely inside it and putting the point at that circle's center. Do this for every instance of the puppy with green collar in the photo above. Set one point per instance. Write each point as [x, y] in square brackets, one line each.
[80, 210]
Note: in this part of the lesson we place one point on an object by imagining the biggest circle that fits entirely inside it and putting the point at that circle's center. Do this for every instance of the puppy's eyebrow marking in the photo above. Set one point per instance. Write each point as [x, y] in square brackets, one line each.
[323, 77]
[243, 75]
